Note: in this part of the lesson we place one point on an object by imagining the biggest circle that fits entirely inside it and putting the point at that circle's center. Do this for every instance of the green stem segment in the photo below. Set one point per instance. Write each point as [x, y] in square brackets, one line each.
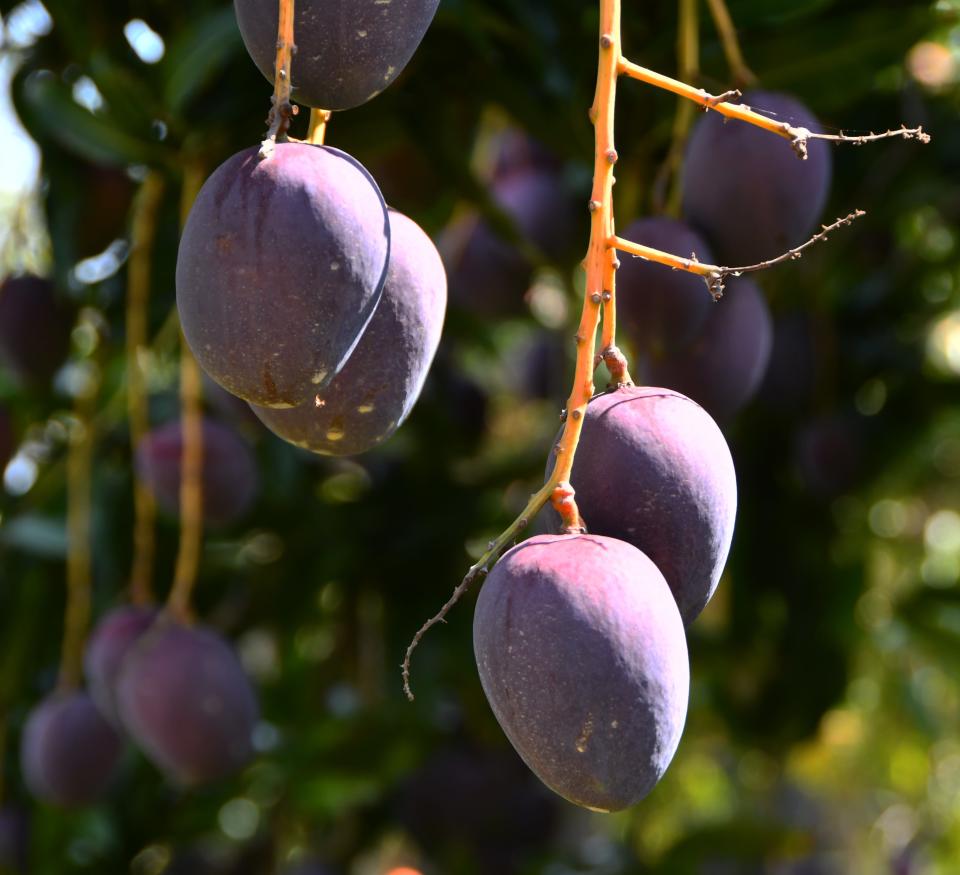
[191, 463]
[79, 464]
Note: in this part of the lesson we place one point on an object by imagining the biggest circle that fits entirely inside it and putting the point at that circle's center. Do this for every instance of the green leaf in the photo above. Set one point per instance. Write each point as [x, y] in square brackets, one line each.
[198, 55]
[50, 108]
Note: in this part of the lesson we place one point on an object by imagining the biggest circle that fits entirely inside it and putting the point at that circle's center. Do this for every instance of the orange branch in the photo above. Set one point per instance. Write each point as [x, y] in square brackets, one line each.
[281, 110]
[600, 266]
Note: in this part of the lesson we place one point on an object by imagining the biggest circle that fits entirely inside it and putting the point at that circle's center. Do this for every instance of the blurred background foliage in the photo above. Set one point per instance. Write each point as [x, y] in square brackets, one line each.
[823, 727]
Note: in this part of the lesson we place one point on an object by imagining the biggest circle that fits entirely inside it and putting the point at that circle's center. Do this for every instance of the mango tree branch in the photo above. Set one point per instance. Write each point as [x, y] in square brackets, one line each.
[798, 136]
[600, 264]
[191, 462]
[739, 70]
[143, 233]
[715, 275]
[76, 619]
[282, 110]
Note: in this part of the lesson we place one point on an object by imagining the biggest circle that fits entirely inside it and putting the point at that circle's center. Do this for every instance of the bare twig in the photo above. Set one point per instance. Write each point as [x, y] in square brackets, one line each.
[798, 136]
[477, 571]
[282, 110]
[715, 275]
[917, 133]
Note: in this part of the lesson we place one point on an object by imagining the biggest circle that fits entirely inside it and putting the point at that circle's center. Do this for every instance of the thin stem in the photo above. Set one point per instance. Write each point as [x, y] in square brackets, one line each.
[741, 73]
[77, 615]
[317, 132]
[477, 571]
[716, 275]
[688, 67]
[138, 296]
[3, 751]
[798, 136]
[600, 264]
[281, 110]
[191, 462]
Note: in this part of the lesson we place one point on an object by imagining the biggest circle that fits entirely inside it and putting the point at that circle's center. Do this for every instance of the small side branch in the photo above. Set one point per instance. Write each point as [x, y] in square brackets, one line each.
[282, 111]
[917, 133]
[798, 136]
[477, 571]
[716, 275]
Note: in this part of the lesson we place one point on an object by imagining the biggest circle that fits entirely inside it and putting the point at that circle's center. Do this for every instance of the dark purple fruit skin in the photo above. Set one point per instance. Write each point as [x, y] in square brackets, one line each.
[35, 328]
[653, 469]
[68, 751]
[381, 381]
[515, 151]
[582, 655]
[660, 308]
[14, 840]
[281, 265]
[8, 440]
[724, 366]
[747, 189]
[230, 479]
[108, 646]
[542, 209]
[348, 51]
[795, 361]
[183, 697]
[488, 274]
